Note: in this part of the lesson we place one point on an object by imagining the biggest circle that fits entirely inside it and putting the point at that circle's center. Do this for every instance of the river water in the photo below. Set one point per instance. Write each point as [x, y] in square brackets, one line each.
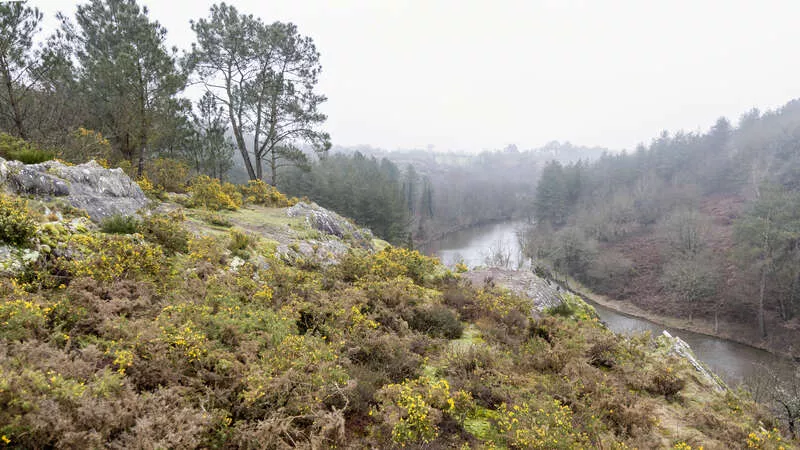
[734, 362]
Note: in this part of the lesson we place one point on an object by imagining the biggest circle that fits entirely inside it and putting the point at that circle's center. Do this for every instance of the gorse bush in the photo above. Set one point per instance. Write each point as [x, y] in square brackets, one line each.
[148, 188]
[436, 321]
[108, 258]
[240, 240]
[260, 193]
[168, 174]
[119, 224]
[167, 231]
[17, 227]
[415, 408]
[395, 261]
[210, 194]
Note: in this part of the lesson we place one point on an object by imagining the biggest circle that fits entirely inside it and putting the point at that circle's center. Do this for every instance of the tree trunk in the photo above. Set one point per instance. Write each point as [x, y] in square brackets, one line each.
[763, 286]
[273, 166]
[18, 124]
[142, 122]
[716, 321]
[237, 132]
[142, 145]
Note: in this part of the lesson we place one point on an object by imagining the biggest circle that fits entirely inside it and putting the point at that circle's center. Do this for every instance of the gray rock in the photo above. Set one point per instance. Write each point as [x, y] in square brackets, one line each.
[524, 282]
[11, 260]
[330, 223]
[682, 349]
[323, 252]
[101, 192]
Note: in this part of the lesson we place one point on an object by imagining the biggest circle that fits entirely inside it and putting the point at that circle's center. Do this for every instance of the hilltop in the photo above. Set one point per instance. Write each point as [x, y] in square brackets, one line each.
[255, 321]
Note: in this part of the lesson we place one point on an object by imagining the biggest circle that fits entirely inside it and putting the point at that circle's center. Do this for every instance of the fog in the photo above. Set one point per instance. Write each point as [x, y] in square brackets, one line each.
[473, 75]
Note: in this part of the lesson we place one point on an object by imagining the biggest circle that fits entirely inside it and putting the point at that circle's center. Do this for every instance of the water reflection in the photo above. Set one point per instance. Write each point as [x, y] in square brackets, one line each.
[480, 245]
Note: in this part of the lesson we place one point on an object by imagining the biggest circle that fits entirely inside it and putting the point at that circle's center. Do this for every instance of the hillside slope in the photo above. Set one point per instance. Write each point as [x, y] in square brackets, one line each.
[701, 227]
[250, 328]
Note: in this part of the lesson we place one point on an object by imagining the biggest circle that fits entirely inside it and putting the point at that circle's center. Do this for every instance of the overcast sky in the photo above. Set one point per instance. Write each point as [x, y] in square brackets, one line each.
[473, 75]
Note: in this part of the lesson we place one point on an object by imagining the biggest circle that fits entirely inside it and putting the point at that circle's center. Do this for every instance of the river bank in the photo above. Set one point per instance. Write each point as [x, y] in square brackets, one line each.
[732, 332]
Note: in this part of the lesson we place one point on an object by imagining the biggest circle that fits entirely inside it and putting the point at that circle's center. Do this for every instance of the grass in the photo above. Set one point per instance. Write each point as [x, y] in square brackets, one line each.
[119, 224]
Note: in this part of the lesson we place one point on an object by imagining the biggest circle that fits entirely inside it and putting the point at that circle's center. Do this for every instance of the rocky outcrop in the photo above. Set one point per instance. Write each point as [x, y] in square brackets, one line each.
[330, 223]
[544, 294]
[323, 252]
[101, 192]
[679, 347]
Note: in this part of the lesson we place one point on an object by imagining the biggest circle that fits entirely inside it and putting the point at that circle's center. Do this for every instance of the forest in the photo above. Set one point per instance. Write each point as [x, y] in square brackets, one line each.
[701, 225]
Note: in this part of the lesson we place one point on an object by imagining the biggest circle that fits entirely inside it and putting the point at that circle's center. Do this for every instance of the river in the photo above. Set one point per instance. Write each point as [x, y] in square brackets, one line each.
[732, 361]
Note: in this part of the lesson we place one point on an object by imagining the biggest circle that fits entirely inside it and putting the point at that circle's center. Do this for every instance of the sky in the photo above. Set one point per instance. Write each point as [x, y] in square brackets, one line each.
[476, 75]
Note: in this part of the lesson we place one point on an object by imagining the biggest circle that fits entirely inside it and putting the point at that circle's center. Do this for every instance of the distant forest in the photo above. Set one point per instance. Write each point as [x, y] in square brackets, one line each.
[413, 196]
[696, 225]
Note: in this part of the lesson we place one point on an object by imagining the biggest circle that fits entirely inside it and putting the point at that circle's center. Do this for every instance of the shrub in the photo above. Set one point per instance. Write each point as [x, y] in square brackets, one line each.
[415, 408]
[208, 193]
[388, 355]
[217, 219]
[665, 382]
[119, 224]
[22, 316]
[603, 353]
[295, 375]
[167, 231]
[83, 145]
[22, 151]
[572, 306]
[107, 258]
[765, 439]
[205, 248]
[547, 427]
[17, 227]
[33, 156]
[261, 193]
[436, 321]
[150, 190]
[395, 261]
[240, 240]
[233, 192]
[168, 174]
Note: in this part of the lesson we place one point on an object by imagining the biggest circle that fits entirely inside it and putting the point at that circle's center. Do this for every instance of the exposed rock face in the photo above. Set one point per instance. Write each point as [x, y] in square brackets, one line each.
[682, 349]
[323, 252]
[329, 222]
[101, 192]
[524, 282]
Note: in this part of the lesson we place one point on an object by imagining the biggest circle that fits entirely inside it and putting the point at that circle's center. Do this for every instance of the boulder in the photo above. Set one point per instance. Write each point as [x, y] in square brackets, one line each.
[330, 223]
[99, 191]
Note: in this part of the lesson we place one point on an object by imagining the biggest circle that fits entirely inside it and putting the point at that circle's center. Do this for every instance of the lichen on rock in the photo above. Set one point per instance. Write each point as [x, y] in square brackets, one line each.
[99, 191]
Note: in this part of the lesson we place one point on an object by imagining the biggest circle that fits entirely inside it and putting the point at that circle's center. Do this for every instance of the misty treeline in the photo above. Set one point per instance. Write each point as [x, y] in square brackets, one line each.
[698, 225]
[106, 85]
[442, 192]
